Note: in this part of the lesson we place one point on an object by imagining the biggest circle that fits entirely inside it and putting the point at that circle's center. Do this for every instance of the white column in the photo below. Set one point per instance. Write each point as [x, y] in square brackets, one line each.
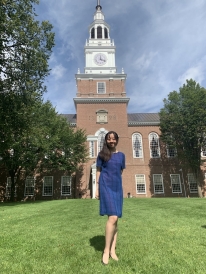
[95, 32]
[93, 181]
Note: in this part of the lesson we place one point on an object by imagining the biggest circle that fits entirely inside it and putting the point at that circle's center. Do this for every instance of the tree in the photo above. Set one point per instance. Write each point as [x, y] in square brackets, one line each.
[48, 144]
[25, 48]
[183, 125]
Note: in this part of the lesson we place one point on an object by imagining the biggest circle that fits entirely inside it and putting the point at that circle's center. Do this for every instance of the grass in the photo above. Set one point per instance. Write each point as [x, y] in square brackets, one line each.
[67, 236]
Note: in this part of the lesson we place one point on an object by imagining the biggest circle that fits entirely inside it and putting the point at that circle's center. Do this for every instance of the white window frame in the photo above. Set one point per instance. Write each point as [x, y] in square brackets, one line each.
[140, 183]
[29, 183]
[156, 183]
[140, 150]
[175, 183]
[8, 187]
[203, 153]
[101, 90]
[92, 149]
[100, 141]
[46, 185]
[66, 181]
[169, 150]
[192, 183]
[156, 139]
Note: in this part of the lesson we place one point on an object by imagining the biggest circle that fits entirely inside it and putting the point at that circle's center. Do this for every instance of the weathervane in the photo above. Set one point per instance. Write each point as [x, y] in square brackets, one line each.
[98, 5]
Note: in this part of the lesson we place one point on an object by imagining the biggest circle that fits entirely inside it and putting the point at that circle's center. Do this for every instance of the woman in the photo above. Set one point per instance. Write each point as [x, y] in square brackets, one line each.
[110, 164]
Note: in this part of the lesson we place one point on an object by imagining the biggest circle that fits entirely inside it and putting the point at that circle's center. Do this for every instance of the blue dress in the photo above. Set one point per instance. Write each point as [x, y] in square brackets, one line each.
[110, 185]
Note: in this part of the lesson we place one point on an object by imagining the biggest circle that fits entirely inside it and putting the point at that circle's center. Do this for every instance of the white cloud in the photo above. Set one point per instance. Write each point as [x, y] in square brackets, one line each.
[144, 61]
[196, 72]
[158, 43]
[58, 71]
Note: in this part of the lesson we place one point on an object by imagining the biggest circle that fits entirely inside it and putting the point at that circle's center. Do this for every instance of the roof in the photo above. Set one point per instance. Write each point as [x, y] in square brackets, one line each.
[143, 119]
[134, 119]
[71, 118]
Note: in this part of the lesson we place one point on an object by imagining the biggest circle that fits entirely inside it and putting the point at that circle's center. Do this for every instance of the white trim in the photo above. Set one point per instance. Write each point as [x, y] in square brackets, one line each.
[43, 193]
[92, 138]
[121, 100]
[192, 181]
[8, 186]
[160, 183]
[29, 183]
[140, 146]
[92, 153]
[67, 184]
[174, 182]
[156, 139]
[140, 183]
[103, 87]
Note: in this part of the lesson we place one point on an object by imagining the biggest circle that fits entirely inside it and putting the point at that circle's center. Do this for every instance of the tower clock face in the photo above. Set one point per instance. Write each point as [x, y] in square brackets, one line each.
[100, 59]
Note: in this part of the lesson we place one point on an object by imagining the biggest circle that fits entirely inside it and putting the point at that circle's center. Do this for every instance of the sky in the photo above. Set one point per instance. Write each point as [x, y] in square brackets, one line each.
[159, 44]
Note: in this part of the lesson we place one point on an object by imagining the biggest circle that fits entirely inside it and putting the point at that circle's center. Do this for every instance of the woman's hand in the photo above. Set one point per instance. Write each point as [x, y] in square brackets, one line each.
[97, 195]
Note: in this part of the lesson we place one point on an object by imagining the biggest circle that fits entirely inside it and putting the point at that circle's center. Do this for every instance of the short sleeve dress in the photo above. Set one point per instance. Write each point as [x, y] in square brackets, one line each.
[110, 184]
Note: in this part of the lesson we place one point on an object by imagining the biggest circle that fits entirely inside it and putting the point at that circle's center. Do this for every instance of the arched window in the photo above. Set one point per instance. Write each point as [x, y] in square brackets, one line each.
[154, 145]
[105, 33]
[101, 140]
[92, 33]
[99, 32]
[137, 145]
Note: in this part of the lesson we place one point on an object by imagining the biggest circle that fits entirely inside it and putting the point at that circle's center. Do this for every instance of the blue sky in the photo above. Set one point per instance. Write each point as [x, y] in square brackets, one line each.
[159, 44]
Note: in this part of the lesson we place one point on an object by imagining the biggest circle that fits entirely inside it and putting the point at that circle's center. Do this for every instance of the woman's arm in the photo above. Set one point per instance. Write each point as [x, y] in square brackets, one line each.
[97, 182]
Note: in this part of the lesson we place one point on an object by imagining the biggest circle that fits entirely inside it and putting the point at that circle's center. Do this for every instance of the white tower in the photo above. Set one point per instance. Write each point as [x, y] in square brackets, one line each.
[99, 48]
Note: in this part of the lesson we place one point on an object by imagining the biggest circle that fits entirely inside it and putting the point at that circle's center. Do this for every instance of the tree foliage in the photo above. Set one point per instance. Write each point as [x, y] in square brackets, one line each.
[25, 47]
[183, 124]
[48, 144]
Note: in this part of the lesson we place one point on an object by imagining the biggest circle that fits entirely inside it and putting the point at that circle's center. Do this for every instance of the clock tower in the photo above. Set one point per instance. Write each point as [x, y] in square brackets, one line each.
[99, 48]
[101, 101]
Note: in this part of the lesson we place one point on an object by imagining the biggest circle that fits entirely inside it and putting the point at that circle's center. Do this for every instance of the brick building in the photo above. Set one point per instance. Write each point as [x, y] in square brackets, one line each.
[152, 170]
[101, 105]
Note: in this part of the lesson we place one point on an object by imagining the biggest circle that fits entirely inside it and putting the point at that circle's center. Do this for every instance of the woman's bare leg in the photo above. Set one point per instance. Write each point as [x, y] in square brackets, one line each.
[110, 229]
[113, 246]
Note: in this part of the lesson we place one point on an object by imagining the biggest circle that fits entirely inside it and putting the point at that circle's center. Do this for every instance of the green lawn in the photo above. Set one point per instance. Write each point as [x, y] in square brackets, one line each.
[67, 236]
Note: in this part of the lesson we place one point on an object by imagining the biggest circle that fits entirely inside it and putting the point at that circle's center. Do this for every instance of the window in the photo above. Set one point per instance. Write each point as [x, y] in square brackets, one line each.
[48, 186]
[137, 145]
[140, 184]
[29, 186]
[101, 138]
[171, 152]
[192, 183]
[99, 32]
[176, 183]
[105, 33]
[158, 184]
[8, 187]
[154, 145]
[203, 153]
[101, 88]
[92, 33]
[66, 185]
[91, 149]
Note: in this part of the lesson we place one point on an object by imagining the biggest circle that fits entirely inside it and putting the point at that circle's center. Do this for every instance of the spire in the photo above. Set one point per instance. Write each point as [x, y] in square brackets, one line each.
[98, 7]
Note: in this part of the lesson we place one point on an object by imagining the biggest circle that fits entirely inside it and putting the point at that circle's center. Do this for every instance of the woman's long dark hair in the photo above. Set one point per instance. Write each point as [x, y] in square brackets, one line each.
[105, 154]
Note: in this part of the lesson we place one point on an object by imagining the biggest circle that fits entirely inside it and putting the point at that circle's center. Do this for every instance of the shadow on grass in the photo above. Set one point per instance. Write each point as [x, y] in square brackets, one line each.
[97, 242]
[203, 226]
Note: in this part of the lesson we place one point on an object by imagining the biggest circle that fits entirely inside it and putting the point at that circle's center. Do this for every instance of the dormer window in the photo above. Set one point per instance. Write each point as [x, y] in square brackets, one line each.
[99, 32]
[92, 33]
